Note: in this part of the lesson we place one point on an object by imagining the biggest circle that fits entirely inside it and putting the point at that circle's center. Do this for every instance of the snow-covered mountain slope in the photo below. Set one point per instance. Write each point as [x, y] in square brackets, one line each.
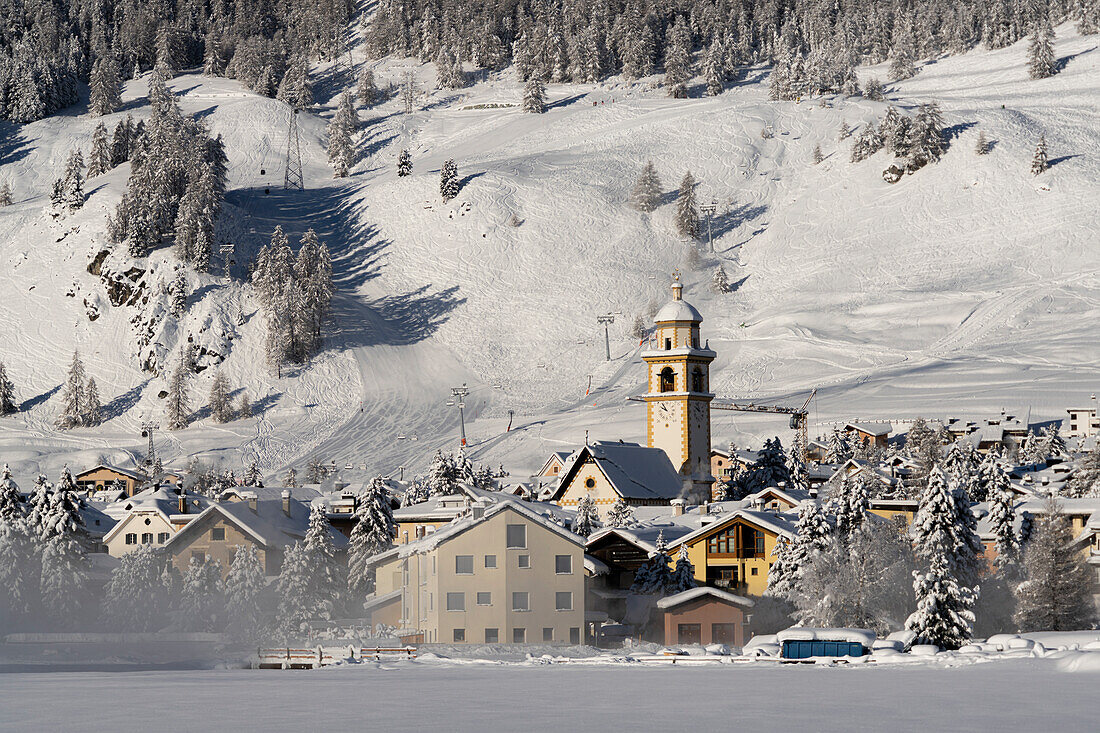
[964, 288]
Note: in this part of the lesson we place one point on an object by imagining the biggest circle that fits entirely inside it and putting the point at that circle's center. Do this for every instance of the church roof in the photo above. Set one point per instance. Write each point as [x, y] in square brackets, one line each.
[634, 471]
[678, 310]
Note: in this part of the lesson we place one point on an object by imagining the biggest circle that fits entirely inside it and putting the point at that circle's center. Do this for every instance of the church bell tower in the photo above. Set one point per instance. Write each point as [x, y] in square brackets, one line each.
[678, 399]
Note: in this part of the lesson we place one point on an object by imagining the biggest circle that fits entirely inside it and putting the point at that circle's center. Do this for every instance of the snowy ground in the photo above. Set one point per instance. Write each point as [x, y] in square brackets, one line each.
[1014, 695]
[968, 287]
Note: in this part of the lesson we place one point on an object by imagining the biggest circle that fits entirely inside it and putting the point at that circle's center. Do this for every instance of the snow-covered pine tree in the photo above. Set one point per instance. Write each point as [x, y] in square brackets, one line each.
[139, 593]
[844, 132]
[873, 90]
[341, 136]
[99, 160]
[404, 164]
[367, 91]
[678, 59]
[867, 143]
[620, 515]
[1039, 162]
[687, 213]
[719, 282]
[93, 408]
[321, 555]
[982, 147]
[1041, 61]
[38, 505]
[120, 141]
[244, 406]
[654, 576]
[177, 407]
[926, 143]
[895, 131]
[252, 475]
[1085, 478]
[201, 604]
[297, 599]
[944, 615]
[1002, 518]
[1054, 443]
[683, 577]
[903, 65]
[448, 180]
[7, 394]
[647, 190]
[221, 408]
[11, 503]
[534, 96]
[213, 63]
[72, 395]
[838, 450]
[64, 580]
[373, 533]
[814, 536]
[1056, 592]
[5, 194]
[714, 72]
[587, 519]
[818, 156]
[769, 469]
[20, 566]
[945, 525]
[70, 195]
[106, 91]
[295, 89]
[244, 595]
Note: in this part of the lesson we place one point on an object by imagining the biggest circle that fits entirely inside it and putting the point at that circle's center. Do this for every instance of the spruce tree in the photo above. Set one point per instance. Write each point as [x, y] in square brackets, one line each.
[7, 394]
[843, 132]
[813, 537]
[982, 147]
[244, 590]
[295, 89]
[818, 156]
[99, 160]
[321, 554]
[1041, 61]
[647, 190]
[93, 408]
[368, 93]
[873, 90]
[244, 407]
[926, 143]
[720, 281]
[404, 164]
[177, 404]
[1056, 593]
[72, 396]
[372, 534]
[944, 615]
[867, 143]
[298, 602]
[1085, 478]
[687, 213]
[106, 96]
[201, 604]
[448, 180]
[1002, 516]
[120, 142]
[678, 60]
[683, 577]
[139, 592]
[654, 577]
[1039, 163]
[620, 514]
[20, 567]
[534, 96]
[64, 580]
[5, 194]
[177, 293]
[945, 525]
[713, 70]
[221, 408]
[341, 136]
[587, 519]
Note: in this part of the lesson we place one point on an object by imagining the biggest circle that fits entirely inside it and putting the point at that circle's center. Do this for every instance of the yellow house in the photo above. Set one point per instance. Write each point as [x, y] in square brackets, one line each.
[606, 471]
[735, 551]
[102, 477]
[891, 508]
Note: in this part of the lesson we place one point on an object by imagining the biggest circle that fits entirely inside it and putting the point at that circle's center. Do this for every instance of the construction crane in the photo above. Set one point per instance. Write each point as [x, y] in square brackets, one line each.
[799, 415]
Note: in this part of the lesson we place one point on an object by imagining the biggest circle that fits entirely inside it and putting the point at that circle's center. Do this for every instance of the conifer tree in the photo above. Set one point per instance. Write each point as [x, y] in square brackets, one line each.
[201, 604]
[7, 395]
[1041, 62]
[687, 213]
[220, 407]
[320, 553]
[926, 143]
[678, 60]
[1002, 516]
[902, 66]
[295, 89]
[72, 396]
[177, 404]
[1039, 162]
[291, 478]
[944, 615]
[93, 408]
[213, 64]
[298, 602]
[120, 141]
[982, 147]
[244, 590]
[844, 132]
[1056, 592]
[683, 577]
[620, 514]
[20, 568]
[587, 519]
[534, 96]
[106, 96]
[647, 191]
[818, 156]
[812, 538]
[68, 191]
[373, 533]
[99, 160]
[404, 164]
[654, 576]
[867, 143]
[341, 135]
[713, 71]
[448, 180]
[5, 194]
[244, 407]
[945, 525]
[873, 90]
[367, 91]
[64, 580]
[139, 593]
[1085, 479]
[177, 293]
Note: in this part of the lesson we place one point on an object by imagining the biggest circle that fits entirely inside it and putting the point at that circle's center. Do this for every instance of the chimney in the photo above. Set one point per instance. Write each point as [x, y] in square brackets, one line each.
[704, 508]
[286, 502]
[253, 501]
[182, 503]
[677, 507]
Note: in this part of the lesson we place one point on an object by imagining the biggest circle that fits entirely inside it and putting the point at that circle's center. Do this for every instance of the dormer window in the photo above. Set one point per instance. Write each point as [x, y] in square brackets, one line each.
[668, 380]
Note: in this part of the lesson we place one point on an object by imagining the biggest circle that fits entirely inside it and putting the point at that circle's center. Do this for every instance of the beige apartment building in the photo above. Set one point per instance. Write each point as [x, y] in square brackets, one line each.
[501, 575]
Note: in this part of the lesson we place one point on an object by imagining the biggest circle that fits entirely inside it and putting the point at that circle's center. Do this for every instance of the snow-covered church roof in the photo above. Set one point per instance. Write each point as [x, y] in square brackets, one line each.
[678, 309]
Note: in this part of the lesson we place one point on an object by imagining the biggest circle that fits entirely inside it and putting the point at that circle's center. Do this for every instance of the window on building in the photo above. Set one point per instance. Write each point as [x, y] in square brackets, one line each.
[492, 636]
[521, 601]
[563, 600]
[162, 538]
[575, 635]
[464, 564]
[668, 344]
[517, 536]
[698, 384]
[131, 538]
[484, 598]
[519, 636]
[668, 380]
[547, 633]
[217, 533]
[590, 483]
[525, 561]
[754, 571]
[460, 635]
[146, 538]
[456, 601]
[490, 561]
[688, 633]
[563, 564]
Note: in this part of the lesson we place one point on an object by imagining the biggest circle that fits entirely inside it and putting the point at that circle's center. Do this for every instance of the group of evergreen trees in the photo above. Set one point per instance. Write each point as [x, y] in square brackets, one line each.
[177, 181]
[920, 139]
[295, 293]
[80, 404]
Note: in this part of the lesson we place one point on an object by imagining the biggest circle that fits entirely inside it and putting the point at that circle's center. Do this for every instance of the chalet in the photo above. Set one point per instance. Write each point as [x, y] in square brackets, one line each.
[816, 450]
[270, 526]
[150, 517]
[736, 551]
[869, 434]
[705, 615]
[609, 471]
[103, 477]
[498, 574]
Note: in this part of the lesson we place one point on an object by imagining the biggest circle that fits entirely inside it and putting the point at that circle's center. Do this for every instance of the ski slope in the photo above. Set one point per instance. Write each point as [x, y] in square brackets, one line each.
[968, 287]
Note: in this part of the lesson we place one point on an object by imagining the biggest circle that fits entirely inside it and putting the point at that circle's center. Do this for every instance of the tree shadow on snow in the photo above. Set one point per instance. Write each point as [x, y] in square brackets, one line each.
[723, 224]
[1061, 63]
[33, 402]
[1055, 161]
[393, 320]
[952, 133]
[13, 146]
[125, 401]
[565, 101]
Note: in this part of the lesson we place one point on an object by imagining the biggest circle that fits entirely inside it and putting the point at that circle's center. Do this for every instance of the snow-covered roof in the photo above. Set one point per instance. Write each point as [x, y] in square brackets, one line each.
[303, 493]
[644, 536]
[678, 310]
[792, 496]
[269, 525]
[703, 590]
[806, 633]
[376, 601]
[128, 472]
[634, 471]
[162, 499]
[876, 429]
[595, 566]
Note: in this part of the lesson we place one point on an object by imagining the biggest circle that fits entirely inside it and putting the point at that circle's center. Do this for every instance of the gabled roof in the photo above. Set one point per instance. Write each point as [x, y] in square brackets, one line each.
[779, 524]
[160, 499]
[792, 496]
[269, 525]
[644, 536]
[877, 429]
[634, 471]
[128, 472]
[560, 455]
[701, 592]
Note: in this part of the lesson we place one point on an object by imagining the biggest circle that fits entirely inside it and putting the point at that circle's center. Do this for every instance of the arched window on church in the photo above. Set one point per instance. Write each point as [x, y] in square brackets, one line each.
[668, 380]
[698, 384]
